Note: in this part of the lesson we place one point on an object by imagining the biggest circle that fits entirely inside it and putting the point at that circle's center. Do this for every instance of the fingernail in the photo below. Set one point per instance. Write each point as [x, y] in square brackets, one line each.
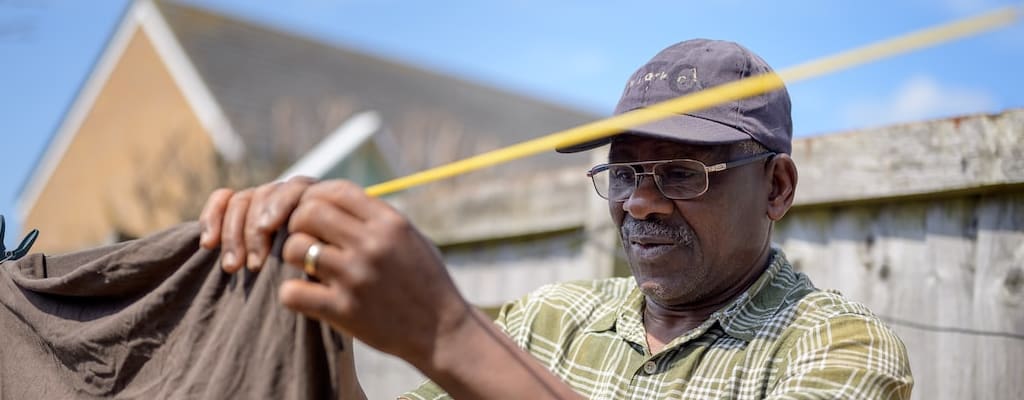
[253, 262]
[203, 232]
[229, 258]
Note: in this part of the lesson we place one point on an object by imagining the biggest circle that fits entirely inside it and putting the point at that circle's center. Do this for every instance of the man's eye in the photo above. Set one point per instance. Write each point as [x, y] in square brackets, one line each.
[621, 173]
[677, 173]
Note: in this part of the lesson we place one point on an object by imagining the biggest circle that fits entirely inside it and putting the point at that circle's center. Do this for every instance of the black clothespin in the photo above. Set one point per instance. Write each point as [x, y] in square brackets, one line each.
[22, 249]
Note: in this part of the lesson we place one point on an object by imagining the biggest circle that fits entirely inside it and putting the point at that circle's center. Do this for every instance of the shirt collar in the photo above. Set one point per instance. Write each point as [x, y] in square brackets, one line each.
[778, 287]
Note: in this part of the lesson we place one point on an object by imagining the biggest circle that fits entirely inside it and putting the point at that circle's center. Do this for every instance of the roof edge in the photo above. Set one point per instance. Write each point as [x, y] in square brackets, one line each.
[198, 96]
[336, 147]
[76, 112]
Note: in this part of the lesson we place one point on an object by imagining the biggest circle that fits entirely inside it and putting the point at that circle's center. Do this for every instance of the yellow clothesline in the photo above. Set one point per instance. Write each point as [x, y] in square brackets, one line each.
[740, 89]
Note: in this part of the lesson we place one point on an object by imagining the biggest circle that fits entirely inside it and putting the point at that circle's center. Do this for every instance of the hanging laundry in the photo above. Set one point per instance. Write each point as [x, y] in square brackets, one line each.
[157, 318]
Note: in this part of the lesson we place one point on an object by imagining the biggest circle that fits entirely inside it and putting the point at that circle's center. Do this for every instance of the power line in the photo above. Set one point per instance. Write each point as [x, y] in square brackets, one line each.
[950, 329]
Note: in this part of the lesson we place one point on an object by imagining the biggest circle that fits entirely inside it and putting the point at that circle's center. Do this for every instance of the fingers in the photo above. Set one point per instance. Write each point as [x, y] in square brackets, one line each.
[232, 234]
[212, 216]
[280, 205]
[333, 264]
[314, 300]
[270, 208]
[349, 197]
[257, 243]
[322, 220]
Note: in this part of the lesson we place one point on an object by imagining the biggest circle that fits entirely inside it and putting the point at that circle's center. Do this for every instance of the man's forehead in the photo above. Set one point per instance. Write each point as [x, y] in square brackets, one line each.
[634, 147]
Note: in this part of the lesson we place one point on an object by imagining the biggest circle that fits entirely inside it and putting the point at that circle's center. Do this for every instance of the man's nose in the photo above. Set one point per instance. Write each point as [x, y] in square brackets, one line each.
[647, 200]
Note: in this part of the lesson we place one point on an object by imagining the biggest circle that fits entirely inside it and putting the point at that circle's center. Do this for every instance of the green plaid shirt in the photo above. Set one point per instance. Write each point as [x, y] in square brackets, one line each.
[781, 339]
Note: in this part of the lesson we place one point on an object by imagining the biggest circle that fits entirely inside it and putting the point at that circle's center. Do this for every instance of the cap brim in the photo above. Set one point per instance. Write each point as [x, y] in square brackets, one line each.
[679, 128]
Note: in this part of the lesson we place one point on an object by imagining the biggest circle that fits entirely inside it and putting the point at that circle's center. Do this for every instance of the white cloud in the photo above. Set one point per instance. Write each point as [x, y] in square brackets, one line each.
[920, 97]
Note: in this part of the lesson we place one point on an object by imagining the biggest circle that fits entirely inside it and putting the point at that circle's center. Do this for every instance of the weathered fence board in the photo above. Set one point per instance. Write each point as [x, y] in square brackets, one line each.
[947, 274]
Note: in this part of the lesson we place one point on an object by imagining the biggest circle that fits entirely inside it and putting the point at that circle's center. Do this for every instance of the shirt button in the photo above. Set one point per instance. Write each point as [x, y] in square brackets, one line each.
[650, 367]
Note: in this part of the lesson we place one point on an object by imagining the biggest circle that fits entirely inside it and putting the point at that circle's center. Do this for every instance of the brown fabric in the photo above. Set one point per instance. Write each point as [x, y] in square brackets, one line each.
[156, 318]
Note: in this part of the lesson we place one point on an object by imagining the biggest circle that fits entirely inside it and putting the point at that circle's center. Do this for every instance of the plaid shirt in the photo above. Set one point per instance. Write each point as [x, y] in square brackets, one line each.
[781, 339]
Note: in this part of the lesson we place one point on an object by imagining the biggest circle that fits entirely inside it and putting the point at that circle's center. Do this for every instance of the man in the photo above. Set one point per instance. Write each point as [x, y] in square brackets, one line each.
[712, 310]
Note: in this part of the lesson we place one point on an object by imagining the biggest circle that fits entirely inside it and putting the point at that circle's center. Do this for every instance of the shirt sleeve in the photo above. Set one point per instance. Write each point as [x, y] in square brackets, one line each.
[846, 357]
[427, 391]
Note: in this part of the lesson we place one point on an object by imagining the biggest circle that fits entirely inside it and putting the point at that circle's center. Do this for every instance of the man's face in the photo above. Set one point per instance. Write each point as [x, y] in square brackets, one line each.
[685, 252]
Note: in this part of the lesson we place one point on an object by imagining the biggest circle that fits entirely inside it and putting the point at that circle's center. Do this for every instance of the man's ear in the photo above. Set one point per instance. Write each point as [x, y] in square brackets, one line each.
[782, 175]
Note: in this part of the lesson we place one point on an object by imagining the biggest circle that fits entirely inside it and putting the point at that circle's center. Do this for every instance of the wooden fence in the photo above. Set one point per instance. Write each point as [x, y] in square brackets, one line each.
[924, 223]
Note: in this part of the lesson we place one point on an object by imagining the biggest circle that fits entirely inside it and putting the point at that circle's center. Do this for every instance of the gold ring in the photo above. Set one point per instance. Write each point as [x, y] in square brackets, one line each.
[312, 254]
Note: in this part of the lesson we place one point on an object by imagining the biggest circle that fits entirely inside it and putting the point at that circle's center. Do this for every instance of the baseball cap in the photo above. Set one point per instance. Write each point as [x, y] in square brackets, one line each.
[695, 65]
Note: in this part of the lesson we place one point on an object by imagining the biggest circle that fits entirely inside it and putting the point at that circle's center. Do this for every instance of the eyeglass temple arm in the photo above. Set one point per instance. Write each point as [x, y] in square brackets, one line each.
[743, 161]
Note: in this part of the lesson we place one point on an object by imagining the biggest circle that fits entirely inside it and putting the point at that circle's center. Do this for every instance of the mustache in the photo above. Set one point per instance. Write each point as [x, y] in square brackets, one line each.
[681, 234]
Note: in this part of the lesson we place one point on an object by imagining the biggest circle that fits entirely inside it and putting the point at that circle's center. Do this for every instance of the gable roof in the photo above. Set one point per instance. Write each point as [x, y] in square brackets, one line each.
[268, 97]
[283, 93]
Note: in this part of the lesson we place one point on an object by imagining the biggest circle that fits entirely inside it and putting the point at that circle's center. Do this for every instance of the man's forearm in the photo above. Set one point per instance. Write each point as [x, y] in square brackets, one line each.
[478, 361]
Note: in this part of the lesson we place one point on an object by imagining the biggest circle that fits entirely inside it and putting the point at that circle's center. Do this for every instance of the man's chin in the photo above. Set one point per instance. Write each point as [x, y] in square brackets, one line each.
[660, 292]
[653, 290]
[679, 288]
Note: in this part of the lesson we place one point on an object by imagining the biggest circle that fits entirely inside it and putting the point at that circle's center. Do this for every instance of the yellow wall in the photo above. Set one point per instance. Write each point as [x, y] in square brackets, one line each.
[140, 161]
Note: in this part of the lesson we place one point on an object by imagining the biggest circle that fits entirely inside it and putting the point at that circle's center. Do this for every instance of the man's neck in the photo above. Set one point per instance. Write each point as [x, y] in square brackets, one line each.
[664, 323]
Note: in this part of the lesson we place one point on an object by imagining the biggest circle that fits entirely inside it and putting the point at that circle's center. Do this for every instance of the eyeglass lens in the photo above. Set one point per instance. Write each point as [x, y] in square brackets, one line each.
[679, 179]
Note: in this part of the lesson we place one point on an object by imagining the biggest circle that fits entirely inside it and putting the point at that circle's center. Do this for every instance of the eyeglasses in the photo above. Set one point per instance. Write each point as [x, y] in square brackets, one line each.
[679, 179]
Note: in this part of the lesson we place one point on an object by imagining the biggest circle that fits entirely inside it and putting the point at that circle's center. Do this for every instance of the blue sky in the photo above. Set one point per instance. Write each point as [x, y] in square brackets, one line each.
[574, 52]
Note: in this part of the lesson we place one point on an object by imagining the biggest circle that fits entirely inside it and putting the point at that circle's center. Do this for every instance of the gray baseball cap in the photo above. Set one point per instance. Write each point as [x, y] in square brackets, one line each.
[692, 66]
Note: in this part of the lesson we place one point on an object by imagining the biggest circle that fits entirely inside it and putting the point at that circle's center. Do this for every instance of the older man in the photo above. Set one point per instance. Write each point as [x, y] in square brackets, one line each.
[712, 310]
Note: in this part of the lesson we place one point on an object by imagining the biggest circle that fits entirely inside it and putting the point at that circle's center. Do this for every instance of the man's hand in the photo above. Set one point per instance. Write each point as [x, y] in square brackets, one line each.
[244, 222]
[374, 262]
[383, 282]
[380, 279]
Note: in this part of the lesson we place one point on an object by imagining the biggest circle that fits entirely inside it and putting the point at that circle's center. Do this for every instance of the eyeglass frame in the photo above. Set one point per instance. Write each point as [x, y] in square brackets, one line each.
[657, 178]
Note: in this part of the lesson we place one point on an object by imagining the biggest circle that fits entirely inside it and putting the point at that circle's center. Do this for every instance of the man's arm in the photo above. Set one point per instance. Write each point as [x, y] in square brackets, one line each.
[483, 363]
